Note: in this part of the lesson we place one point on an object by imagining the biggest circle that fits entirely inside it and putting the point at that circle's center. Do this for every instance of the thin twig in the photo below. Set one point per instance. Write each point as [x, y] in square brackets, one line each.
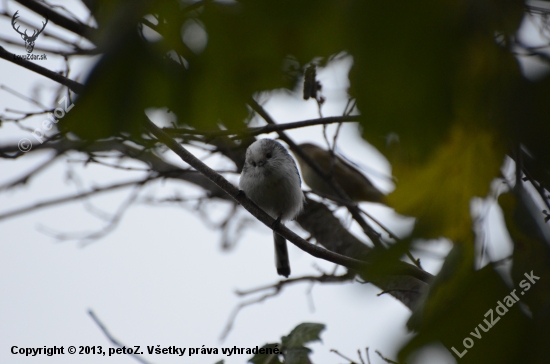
[360, 356]
[263, 129]
[325, 278]
[111, 225]
[342, 356]
[538, 187]
[57, 201]
[23, 97]
[73, 85]
[393, 290]
[238, 308]
[391, 235]
[24, 179]
[115, 166]
[385, 359]
[64, 22]
[277, 287]
[111, 337]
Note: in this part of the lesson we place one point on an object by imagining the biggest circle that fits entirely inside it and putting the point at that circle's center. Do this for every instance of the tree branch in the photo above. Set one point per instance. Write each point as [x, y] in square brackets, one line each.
[57, 201]
[320, 222]
[25, 178]
[277, 287]
[157, 164]
[73, 85]
[263, 129]
[324, 278]
[111, 337]
[69, 24]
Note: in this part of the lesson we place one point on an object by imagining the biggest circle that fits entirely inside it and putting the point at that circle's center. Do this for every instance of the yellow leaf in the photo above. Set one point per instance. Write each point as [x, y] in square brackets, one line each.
[438, 191]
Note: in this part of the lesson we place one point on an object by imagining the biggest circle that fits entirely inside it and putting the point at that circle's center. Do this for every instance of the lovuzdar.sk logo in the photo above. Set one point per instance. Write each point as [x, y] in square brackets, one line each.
[29, 39]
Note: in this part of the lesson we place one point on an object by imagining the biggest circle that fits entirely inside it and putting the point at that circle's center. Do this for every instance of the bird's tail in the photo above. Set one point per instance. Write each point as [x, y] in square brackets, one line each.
[281, 255]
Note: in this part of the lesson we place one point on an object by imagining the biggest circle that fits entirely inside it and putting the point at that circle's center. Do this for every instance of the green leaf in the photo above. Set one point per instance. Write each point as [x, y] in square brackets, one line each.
[454, 318]
[297, 356]
[438, 191]
[249, 44]
[292, 347]
[131, 76]
[303, 334]
[266, 358]
[120, 88]
[423, 74]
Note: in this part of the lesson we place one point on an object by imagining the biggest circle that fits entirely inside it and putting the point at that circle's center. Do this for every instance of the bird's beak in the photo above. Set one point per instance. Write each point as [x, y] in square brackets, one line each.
[261, 163]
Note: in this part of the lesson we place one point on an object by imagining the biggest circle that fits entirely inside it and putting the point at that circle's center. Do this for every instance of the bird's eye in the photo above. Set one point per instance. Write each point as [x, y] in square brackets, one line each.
[268, 155]
[254, 164]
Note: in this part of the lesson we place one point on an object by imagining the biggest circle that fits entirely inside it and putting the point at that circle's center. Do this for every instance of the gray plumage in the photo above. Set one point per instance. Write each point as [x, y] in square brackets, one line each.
[271, 179]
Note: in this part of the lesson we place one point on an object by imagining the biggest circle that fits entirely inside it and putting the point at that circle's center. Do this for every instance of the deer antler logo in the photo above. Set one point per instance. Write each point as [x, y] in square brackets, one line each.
[29, 40]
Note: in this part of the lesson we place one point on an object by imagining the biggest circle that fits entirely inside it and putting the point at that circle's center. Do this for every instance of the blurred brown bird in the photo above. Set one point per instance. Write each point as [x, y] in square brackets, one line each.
[354, 183]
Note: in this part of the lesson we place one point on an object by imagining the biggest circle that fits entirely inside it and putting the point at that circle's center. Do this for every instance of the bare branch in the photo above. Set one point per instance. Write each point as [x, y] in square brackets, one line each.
[532, 51]
[114, 166]
[73, 85]
[277, 287]
[541, 191]
[342, 356]
[360, 356]
[345, 203]
[111, 337]
[111, 225]
[164, 168]
[64, 22]
[57, 201]
[24, 179]
[76, 50]
[385, 359]
[239, 307]
[324, 278]
[395, 290]
[318, 220]
[264, 129]
[23, 97]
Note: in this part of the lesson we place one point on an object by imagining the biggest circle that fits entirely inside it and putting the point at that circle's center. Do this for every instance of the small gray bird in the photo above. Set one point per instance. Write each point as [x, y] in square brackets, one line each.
[271, 179]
